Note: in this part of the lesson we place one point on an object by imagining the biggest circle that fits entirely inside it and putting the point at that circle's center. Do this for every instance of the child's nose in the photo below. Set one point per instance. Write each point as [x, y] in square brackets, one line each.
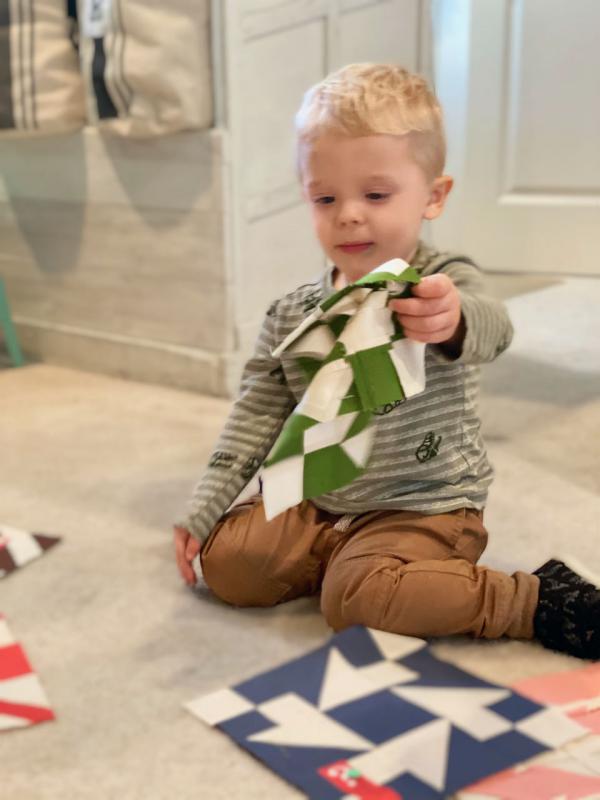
[350, 213]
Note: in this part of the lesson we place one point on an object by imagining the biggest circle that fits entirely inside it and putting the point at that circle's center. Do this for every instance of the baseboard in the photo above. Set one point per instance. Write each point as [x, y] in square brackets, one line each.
[127, 357]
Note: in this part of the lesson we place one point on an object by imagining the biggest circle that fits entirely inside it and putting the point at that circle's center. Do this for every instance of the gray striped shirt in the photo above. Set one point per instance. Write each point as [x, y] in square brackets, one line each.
[428, 454]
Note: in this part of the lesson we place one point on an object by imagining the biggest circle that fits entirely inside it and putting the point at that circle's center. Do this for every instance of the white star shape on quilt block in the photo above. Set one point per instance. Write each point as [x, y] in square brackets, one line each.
[465, 708]
[300, 724]
[344, 682]
[219, 706]
[394, 646]
[422, 751]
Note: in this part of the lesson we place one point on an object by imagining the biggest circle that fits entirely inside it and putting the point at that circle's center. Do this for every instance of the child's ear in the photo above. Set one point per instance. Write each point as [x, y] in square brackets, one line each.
[440, 189]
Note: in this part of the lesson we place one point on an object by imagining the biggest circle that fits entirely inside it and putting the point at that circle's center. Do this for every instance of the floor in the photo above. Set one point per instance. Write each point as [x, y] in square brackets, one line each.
[120, 643]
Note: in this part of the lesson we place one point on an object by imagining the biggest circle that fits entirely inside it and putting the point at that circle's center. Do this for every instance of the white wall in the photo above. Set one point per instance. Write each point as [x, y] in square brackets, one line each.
[157, 259]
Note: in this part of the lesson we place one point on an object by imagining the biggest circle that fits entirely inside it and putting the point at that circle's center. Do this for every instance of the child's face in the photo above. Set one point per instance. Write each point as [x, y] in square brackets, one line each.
[368, 198]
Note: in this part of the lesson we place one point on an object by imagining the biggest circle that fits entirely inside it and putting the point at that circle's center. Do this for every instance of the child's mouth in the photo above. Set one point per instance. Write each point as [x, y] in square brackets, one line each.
[354, 247]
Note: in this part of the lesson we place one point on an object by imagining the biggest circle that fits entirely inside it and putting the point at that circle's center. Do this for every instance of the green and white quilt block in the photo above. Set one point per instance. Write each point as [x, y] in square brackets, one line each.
[354, 352]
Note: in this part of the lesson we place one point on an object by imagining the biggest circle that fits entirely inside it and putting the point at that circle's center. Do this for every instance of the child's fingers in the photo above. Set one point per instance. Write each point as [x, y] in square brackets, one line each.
[430, 337]
[420, 306]
[426, 325]
[192, 549]
[430, 330]
[433, 295]
[187, 573]
[433, 286]
[181, 540]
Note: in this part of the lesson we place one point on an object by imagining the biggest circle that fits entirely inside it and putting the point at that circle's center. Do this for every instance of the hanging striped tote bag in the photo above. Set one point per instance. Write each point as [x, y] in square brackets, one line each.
[146, 65]
[41, 88]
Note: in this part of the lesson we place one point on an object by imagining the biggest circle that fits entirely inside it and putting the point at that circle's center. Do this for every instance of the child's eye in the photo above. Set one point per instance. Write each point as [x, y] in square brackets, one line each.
[324, 201]
[377, 196]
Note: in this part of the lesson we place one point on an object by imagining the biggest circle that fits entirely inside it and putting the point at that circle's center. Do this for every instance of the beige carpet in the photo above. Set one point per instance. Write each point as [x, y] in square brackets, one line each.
[120, 643]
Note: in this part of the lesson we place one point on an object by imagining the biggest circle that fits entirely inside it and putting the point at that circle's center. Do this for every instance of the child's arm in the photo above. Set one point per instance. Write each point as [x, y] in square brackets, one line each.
[263, 404]
[451, 310]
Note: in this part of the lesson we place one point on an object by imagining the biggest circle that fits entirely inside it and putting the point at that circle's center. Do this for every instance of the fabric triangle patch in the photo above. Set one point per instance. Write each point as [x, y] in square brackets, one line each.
[18, 548]
[23, 700]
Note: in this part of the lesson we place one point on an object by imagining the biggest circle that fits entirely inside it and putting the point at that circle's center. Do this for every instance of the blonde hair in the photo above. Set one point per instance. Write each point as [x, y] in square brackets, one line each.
[367, 99]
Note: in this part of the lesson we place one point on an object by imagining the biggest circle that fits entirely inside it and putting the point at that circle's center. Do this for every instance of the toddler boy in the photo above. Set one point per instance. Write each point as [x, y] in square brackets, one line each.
[397, 548]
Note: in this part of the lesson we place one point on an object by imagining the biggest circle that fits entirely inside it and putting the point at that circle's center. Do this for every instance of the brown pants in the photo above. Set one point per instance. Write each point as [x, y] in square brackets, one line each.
[398, 571]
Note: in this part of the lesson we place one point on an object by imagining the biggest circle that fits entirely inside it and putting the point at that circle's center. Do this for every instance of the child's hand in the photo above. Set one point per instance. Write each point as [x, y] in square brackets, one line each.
[186, 550]
[432, 314]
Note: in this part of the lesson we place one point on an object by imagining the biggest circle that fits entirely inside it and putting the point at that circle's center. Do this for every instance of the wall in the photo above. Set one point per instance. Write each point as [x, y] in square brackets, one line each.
[113, 254]
[155, 260]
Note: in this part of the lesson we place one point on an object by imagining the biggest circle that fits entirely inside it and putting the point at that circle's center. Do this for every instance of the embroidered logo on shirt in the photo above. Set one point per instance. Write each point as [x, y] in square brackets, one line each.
[387, 408]
[429, 448]
[222, 459]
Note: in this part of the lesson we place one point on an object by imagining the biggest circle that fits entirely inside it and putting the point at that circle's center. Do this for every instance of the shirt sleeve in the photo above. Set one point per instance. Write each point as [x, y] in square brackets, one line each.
[255, 420]
[488, 329]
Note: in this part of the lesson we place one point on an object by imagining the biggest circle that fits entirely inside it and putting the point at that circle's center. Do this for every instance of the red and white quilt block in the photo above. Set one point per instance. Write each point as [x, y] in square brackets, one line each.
[23, 701]
[571, 772]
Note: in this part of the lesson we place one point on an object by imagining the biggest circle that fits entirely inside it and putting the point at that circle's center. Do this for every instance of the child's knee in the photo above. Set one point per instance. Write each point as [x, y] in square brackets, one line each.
[356, 600]
[331, 607]
[232, 577]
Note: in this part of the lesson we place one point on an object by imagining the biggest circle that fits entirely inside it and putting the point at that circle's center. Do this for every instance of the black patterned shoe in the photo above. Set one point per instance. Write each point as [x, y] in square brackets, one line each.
[567, 617]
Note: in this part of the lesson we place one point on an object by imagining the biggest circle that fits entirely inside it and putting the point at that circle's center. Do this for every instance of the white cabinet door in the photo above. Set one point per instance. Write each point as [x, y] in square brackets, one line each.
[520, 84]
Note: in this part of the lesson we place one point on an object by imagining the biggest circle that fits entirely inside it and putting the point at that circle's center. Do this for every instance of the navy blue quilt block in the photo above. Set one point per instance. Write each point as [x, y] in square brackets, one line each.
[376, 716]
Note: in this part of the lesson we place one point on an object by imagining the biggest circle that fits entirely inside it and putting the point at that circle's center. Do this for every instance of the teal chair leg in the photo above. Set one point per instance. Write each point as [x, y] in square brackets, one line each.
[10, 334]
